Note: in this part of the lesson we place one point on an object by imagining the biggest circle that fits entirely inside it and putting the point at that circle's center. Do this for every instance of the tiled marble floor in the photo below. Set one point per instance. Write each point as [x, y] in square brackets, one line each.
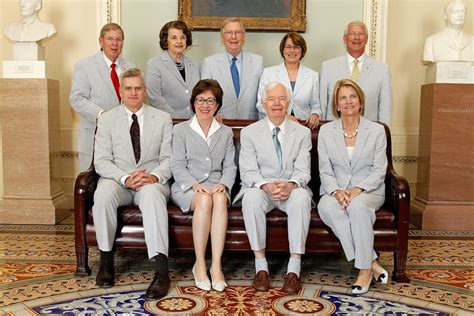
[37, 265]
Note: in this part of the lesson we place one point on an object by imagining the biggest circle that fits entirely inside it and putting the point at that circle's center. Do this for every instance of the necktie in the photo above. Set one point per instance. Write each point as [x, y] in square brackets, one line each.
[355, 70]
[277, 144]
[115, 81]
[235, 76]
[135, 135]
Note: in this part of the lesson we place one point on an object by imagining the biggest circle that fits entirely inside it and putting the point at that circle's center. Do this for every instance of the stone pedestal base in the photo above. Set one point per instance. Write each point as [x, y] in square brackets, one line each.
[445, 190]
[29, 116]
[28, 51]
[439, 215]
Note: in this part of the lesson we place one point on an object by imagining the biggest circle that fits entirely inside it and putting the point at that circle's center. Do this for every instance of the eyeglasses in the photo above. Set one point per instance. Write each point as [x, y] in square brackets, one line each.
[209, 101]
[114, 39]
[354, 34]
[290, 47]
[230, 33]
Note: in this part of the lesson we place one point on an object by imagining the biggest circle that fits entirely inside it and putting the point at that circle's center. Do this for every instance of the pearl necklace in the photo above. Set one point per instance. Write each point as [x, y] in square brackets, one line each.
[351, 135]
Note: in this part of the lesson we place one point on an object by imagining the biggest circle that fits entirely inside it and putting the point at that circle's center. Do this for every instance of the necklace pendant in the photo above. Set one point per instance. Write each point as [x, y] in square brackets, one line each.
[350, 135]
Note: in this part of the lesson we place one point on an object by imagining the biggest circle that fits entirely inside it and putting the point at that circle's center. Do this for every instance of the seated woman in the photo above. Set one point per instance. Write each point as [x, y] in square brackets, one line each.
[204, 172]
[171, 76]
[352, 166]
[302, 81]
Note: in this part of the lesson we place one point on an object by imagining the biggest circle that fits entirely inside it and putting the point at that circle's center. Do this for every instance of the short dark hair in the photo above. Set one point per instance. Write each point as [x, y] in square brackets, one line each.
[111, 27]
[347, 83]
[207, 85]
[297, 39]
[180, 25]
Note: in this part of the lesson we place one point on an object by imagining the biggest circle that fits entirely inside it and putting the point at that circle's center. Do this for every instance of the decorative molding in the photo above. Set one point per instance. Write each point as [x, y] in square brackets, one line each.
[375, 17]
[405, 159]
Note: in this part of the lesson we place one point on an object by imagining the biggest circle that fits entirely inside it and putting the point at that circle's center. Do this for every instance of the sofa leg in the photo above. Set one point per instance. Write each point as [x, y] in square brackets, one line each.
[82, 258]
[400, 262]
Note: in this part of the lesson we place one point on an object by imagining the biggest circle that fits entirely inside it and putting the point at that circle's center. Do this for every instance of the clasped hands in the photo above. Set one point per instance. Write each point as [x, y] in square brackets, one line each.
[139, 178]
[279, 190]
[344, 197]
[202, 188]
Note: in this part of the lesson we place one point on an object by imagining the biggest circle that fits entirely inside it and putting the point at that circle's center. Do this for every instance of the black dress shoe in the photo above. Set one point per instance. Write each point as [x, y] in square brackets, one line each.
[159, 287]
[105, 276]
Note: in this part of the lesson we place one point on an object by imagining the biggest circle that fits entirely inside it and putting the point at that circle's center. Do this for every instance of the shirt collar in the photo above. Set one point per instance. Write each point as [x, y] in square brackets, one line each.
[138, 113]
[108, 61]
[351, 59]
[272, 126]
[197, 128]
[230, 56]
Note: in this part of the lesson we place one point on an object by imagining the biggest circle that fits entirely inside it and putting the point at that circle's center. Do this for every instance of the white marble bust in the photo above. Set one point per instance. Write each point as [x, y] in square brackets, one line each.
[451, 44]
[30, 28]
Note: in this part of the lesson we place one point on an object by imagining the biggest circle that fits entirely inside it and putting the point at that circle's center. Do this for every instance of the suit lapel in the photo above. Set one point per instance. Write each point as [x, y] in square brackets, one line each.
[367, 68]
[247, 69]
[215, 139]
[288, 143]
[124, 132]
[266, 141]
[189, 72]
[343, 67]
[224, 68]
[169, 63]
[338, 135]
[301, 78]
[362, 135]
[148, 131]
[197, 138]
[104, 72]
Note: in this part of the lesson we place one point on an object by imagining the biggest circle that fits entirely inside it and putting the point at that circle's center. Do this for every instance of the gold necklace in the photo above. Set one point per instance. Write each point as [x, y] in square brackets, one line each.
[350, 135]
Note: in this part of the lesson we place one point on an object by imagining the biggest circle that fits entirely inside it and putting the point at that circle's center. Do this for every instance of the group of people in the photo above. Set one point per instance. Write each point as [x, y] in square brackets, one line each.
[142, 159]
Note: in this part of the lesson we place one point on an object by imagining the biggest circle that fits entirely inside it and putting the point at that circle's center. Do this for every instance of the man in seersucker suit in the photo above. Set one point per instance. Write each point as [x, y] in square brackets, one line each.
[92, 88]
[275, 170]
[371, 75]
[131, 154]
[237, 72]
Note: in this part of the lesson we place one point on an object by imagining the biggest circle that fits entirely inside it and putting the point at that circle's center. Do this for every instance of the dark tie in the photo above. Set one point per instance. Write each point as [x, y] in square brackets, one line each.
[135, 135]
[115, 81]
[277, 144]
[235, 76]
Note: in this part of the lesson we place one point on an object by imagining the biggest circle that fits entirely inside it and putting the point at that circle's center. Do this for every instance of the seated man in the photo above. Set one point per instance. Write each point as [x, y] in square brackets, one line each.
[132, 153]
[275, 169]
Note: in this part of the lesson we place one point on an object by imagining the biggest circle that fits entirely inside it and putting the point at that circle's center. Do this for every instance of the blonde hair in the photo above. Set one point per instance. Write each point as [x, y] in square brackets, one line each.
[347, 83]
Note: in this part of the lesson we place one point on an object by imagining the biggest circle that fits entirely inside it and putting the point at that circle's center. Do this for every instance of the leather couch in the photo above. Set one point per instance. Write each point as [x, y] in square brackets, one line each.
[390, 228]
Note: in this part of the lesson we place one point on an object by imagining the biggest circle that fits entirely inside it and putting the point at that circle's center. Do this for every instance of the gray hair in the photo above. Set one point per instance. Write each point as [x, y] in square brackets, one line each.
[272, 85]
[131, 73]
[231, 20]
[358, 23]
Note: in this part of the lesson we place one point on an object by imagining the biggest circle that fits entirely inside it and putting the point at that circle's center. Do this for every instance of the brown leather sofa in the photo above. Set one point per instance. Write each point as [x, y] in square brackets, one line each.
[390, 228]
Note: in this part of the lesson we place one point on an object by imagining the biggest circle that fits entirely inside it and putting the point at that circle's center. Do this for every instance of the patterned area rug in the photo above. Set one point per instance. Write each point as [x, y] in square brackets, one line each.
[38, 262]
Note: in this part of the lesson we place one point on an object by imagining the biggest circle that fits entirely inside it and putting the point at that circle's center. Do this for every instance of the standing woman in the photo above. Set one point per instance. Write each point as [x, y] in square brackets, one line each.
[352, 166]
[302, 81]
[204, 171]
[171, 76]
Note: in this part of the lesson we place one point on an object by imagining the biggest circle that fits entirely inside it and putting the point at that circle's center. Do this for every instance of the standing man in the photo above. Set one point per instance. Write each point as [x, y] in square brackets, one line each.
[275, 171]
[237, 72]
[132, 153]
[371, 75]
[95, 87]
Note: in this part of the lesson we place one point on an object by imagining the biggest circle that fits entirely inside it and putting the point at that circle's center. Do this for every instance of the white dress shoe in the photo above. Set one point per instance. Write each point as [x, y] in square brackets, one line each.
[358, 290]
[382, 278]
[204, 285]
[218, 286]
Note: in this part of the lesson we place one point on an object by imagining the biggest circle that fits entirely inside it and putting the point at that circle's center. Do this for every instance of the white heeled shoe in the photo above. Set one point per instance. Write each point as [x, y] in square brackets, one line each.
[204, 285]
[218, 286]
[382, 278]
[359, 289]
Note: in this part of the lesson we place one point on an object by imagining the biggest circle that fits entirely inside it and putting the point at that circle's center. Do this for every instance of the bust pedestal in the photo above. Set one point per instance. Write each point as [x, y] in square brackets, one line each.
[29, 116]
[445, 182]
